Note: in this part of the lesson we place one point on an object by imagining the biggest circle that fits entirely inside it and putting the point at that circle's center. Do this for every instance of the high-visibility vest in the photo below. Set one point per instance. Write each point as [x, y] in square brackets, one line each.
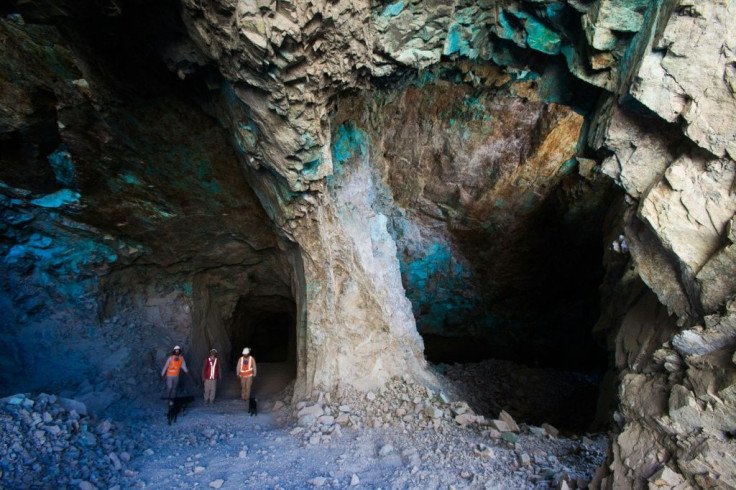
[174, 365]
[246, 367]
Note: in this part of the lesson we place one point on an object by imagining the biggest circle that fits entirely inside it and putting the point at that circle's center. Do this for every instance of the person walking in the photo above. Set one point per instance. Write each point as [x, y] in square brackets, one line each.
[246, 370]
[175, 363]
[210, 374]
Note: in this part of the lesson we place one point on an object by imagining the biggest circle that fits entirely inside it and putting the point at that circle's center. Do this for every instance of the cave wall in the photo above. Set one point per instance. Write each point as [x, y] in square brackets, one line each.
[491, 212]
[300, 183]
[661, 130]
[675, 354]
[128, 224]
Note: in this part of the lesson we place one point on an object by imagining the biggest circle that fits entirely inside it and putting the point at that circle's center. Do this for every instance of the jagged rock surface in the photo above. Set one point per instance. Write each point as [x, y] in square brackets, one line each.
[663, 128]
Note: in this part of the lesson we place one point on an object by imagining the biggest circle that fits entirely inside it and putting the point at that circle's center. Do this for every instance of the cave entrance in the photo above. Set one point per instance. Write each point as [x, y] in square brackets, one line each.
[267, 325]
[520, 336]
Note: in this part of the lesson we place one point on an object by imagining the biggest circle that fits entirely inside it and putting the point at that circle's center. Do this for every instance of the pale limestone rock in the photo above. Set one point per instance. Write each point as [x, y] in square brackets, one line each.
[719, 332]
[717, 278]
[500, 426]
[510, 422]
[690, 75]
[550, 430]
[313, 410]
[683, 408]
[524, 459]
[483, 451]
[641, 155]
[465, 419]
[690, 208]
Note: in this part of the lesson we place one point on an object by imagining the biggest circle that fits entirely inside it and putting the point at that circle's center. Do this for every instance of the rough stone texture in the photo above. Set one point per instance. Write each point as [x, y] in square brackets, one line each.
[126, 232]
[142, 228]
[677, 170]
[689, 73]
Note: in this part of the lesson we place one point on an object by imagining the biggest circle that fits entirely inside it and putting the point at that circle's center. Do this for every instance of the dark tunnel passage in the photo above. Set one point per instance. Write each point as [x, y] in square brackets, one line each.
[532, 349]
[266, 325]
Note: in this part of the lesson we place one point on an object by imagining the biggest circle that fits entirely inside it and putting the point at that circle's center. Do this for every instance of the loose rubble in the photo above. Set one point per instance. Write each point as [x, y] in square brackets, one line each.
[404, 435]
[536, 395]
[49, 442]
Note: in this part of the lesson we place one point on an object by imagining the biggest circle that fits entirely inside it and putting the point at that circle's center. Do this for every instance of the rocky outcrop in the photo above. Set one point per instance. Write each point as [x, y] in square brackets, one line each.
[410, 157]
[677, 169]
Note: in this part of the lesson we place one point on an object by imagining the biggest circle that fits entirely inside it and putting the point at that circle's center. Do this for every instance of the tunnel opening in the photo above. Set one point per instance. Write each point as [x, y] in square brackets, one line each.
[529, 347]
[267, 326]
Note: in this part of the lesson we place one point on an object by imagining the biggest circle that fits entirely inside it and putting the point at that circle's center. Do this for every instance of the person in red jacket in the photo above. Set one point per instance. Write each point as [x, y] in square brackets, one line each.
[210, 374]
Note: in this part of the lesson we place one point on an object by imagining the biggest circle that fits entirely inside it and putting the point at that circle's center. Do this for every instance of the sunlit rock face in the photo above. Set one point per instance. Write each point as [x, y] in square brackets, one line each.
[395, 170]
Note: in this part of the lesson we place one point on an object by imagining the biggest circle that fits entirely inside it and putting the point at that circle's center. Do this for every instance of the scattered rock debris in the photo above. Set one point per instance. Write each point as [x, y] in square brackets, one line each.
[401, 436]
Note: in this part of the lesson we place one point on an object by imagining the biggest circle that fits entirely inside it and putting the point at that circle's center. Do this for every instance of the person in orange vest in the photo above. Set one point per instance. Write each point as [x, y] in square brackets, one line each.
[246, 370]
[174, 364]
[210, 374]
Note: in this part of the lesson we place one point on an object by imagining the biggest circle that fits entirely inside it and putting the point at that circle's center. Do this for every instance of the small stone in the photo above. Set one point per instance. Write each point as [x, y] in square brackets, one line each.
[483, 451]
[314, 410]
[199, 469]
[461, 408]
[494, 434]
[14, 400]
[104, 427]
[370, 396]
[115, 462]
[465, 419]
[524, 459]
[509, 437]
[500, 426]
[217, 483]
[354, 480]
[242, 454]
[666, 477]
[318, 481]
[85, 485]
[551, 431]
[510, 422]
[537, 431]
[386, 450]
[433, 412]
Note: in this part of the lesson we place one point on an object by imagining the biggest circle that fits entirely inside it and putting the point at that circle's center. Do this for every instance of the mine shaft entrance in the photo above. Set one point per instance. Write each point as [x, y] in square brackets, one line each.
[266, 325]
[521, 337]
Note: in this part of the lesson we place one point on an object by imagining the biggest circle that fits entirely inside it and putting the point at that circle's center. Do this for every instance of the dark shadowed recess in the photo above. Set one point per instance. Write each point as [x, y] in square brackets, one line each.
[267, 325]
[545, 288]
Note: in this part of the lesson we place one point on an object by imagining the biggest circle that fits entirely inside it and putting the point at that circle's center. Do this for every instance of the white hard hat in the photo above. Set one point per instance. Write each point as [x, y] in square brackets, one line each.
[177, 347]
[246, 351]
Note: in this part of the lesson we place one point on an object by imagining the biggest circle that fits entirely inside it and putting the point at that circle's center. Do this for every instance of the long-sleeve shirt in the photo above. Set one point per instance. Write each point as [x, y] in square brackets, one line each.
[168, 360]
